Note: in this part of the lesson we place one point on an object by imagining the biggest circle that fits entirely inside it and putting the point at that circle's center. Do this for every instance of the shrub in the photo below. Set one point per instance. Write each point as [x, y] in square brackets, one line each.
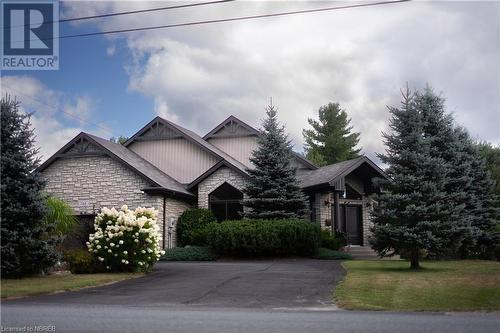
[126, 240]
[329, 241]
[189, 253]
[191, 226]
[264, 237]
[327, 254]
[81, 261]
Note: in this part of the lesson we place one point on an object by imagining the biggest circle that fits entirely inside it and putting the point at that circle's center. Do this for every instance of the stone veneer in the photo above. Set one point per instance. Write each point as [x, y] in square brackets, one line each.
[323, 213]
[92, 182]
[216, 179]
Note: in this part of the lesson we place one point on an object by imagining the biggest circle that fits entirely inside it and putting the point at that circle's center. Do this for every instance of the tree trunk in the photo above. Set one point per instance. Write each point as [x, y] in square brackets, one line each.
[414, 259]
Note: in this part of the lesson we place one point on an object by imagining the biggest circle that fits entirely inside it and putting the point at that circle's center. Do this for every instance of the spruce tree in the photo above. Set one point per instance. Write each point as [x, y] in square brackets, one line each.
[416, 211]
[273, 190]
[331, 139]
[26, 247]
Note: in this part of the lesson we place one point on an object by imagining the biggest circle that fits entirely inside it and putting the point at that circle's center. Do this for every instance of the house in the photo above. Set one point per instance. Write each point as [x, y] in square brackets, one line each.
[171, 168]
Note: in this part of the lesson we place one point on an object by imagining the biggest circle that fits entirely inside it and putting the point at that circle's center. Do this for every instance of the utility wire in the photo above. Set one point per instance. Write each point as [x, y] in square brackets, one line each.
[240, 18]
[127, 12]
[107, 130]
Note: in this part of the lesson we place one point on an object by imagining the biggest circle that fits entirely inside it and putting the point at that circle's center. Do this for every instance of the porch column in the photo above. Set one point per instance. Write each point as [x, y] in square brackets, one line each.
[335, 211]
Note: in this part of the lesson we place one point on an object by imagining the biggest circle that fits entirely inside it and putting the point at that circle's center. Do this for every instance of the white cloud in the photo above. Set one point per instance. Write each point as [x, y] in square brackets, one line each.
[53, 127]
[358, 57]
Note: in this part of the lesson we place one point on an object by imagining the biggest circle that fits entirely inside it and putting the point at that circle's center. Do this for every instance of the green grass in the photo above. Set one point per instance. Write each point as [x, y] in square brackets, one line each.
[189, 253]
[327, 254]
[31, 286]
[465, 285]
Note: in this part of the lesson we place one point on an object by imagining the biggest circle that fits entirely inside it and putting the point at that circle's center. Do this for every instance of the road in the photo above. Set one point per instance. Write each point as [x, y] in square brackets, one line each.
[240, 296]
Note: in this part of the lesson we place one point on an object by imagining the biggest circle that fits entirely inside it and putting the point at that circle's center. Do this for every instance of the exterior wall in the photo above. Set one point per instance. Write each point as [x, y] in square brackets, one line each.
[215, 180]
[173, 210]
[367, 219]
[89, 183]
[239, 148]
[323, 213]
[178, 158]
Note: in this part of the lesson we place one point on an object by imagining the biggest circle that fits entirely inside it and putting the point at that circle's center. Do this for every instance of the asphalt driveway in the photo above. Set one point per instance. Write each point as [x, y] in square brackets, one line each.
[290, 283]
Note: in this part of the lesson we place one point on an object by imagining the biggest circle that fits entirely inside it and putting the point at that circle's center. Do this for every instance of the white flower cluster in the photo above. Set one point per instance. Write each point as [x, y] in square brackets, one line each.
[126, 239]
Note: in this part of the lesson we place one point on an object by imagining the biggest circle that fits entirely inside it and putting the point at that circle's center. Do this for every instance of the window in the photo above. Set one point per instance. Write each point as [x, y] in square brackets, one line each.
[225, 202]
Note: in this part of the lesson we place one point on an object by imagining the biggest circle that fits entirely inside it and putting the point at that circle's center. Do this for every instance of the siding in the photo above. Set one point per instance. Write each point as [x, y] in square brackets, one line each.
[239, 148]
[178, 158]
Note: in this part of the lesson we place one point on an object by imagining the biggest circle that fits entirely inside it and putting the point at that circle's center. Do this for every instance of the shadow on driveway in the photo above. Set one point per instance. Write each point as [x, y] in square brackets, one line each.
[290, 283]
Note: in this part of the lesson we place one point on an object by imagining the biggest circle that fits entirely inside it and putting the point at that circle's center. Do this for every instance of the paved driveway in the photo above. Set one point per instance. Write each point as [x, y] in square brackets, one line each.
[290, 283]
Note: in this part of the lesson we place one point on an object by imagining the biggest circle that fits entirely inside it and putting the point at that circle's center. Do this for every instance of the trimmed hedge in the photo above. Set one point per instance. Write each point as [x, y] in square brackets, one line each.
[81, 261]
[331, 242]
[327, 254]
[189, 253]
[191, 226]
[264, 237]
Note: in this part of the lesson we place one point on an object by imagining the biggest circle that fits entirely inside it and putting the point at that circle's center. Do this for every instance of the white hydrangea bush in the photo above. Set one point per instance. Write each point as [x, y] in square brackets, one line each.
[126, 240]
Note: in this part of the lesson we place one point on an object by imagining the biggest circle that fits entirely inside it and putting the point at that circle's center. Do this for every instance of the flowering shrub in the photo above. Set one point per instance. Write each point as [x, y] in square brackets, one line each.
[126, 240]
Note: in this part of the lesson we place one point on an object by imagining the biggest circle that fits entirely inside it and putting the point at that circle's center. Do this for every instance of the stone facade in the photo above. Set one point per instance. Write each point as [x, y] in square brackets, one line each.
[215, 180]
[90, 183]
[322, 206]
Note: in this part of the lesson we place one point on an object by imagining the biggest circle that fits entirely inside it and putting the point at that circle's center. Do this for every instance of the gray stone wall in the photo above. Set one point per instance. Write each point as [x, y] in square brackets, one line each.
[215, 180]
[173, 209]
[91, 183]
[323, 212]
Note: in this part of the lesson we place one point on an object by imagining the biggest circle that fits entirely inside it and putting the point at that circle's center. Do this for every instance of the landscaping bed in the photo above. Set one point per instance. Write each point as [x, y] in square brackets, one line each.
[189, 253]
[31, 286]
[466, 285]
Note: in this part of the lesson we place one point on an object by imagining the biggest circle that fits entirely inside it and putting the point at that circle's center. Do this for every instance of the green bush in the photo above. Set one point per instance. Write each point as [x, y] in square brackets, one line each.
[329, 241]
[81, 261]
[189, 253]
[327, 254]
[191, 226]
[264, 237]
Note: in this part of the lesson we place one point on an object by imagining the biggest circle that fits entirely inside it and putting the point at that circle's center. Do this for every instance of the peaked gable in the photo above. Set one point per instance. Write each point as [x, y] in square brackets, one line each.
[231, 127]
[85, 144]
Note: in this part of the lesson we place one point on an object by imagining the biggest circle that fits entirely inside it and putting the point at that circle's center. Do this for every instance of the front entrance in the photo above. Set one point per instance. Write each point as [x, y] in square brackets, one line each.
[351, 223]
[225, 203]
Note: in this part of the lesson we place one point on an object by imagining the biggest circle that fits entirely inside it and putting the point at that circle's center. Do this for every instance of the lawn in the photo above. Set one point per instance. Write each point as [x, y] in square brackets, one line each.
[439, 286]
[30, 286]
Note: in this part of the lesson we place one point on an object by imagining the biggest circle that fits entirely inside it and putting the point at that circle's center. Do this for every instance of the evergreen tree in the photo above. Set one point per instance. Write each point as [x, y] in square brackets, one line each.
[330, 140]
[491, 154]
[482, 206]
[273, 190]
[416, 211]
[26, 246]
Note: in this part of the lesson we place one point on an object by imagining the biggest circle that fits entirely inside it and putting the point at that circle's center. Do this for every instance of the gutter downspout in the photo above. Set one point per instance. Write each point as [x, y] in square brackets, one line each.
[164, 222]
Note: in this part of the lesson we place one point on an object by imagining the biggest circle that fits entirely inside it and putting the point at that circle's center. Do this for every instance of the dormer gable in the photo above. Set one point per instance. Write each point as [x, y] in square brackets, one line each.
[232, 127]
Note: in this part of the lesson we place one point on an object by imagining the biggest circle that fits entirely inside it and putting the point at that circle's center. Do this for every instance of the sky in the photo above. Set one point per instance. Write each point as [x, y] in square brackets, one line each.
[111, 85]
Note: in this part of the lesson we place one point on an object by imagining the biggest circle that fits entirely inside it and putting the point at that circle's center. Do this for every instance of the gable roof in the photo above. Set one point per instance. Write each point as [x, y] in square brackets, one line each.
[88, 144]
[231, 121]
[236, 126]
[193, 138]
[330, 174]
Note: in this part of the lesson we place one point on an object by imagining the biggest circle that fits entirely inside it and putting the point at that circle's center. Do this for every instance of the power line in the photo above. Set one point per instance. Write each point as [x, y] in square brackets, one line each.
[240, 18]
[129, 12]
[61, 110]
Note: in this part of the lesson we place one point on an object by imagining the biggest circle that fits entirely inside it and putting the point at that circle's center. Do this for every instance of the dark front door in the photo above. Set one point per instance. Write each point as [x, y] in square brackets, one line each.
[350, 217]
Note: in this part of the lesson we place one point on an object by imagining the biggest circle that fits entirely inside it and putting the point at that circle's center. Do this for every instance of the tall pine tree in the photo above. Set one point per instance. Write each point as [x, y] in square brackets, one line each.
[331, 139]
[418, 210]
[26, 246]
[273, 190]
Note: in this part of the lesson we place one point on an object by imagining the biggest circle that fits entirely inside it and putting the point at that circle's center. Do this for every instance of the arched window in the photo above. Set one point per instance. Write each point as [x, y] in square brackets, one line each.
[225, 202]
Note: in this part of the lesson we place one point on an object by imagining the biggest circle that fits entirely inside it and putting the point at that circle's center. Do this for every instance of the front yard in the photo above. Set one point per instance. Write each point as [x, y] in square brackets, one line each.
[31, 286]
[440, 286]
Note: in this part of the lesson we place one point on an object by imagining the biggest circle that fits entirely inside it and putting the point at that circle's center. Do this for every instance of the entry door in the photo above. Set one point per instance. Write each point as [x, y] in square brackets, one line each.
[351, 223]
